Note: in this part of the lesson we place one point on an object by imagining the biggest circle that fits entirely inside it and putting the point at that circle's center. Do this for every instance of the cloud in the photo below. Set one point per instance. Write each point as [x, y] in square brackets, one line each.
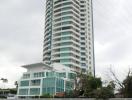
[21, 36]
[22, 28]
[112, 24]
[9, 70]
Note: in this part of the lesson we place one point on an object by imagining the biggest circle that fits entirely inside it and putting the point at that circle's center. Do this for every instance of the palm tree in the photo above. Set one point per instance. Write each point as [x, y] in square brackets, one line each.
[16, 84]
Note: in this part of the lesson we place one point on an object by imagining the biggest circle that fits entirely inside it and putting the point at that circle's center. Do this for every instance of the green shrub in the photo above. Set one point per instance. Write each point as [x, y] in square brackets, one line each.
[46, 96]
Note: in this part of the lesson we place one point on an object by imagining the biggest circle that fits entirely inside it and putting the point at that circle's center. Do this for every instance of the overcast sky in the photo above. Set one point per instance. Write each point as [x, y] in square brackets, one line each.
[22, 28]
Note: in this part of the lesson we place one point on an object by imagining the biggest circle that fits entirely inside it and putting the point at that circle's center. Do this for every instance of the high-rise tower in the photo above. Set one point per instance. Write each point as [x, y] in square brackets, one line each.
[68, 37]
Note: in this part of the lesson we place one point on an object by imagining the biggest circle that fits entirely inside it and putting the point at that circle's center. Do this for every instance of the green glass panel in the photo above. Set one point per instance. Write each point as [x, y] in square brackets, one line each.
[35, 82]
[40, 74]
[64, 60]
[66, 43]
[65, 13]
[25, 76]
[69, 86]
[64, 54]
[71, 75]
[65, 23]
[23, 91]
[62, 75]
[50, 74]
[59, 85]
[65, 33]
[64, 49]
[66, 8]
[65, 38]
[24, 83]
[34, 91]
[50, 90]
[48, 82]
[48, 86]
[67, 17]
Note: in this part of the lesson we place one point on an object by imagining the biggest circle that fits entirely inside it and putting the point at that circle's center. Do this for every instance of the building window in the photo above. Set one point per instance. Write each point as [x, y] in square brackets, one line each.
[34, 91]
[90, 63]
[35, 82]
[82, 43]
[65, 28]
[82, 33]
[62, 75]
[40, 74]
[25, 76]
[71, 75]
[65, 60]
[83, 54]
[83, 59]
[64, 54]
[49, 74]
[69, 86]
[48, 86]
[60, 85]
[24, 83]
[82, 48]
[23, 91]
[89, 57]
[83, 64]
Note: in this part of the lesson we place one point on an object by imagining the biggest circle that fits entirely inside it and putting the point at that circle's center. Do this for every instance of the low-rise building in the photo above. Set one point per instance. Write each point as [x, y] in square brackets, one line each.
[41, 79]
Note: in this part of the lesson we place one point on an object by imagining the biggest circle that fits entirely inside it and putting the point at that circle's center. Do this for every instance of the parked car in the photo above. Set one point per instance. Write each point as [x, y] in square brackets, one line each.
[12, 97]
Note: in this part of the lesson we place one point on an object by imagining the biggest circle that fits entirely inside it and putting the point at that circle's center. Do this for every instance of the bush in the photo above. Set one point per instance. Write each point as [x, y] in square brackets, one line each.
[3, 97]
[104, 93]
[46, 96]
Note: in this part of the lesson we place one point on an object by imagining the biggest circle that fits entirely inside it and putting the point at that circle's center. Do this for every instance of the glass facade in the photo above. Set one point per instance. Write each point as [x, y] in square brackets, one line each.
[23, 91]
[71, 75]
[53, 82]
[35, 82]
[49, 86]
[25, 76]
[69, 86]
[50, 74]
[40, 74]
[24, 83]
[35, 91]
[59, 85]
[53, 85]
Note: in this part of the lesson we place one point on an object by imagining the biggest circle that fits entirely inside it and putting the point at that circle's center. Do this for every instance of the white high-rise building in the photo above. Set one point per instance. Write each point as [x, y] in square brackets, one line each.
[69, 37]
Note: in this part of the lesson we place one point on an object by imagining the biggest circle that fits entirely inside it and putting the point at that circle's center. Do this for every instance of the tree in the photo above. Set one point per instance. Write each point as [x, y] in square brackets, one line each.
[87, 84]
[104, 93]
[127, 91]
[125, 86]
[16, 84]
[90, 84]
